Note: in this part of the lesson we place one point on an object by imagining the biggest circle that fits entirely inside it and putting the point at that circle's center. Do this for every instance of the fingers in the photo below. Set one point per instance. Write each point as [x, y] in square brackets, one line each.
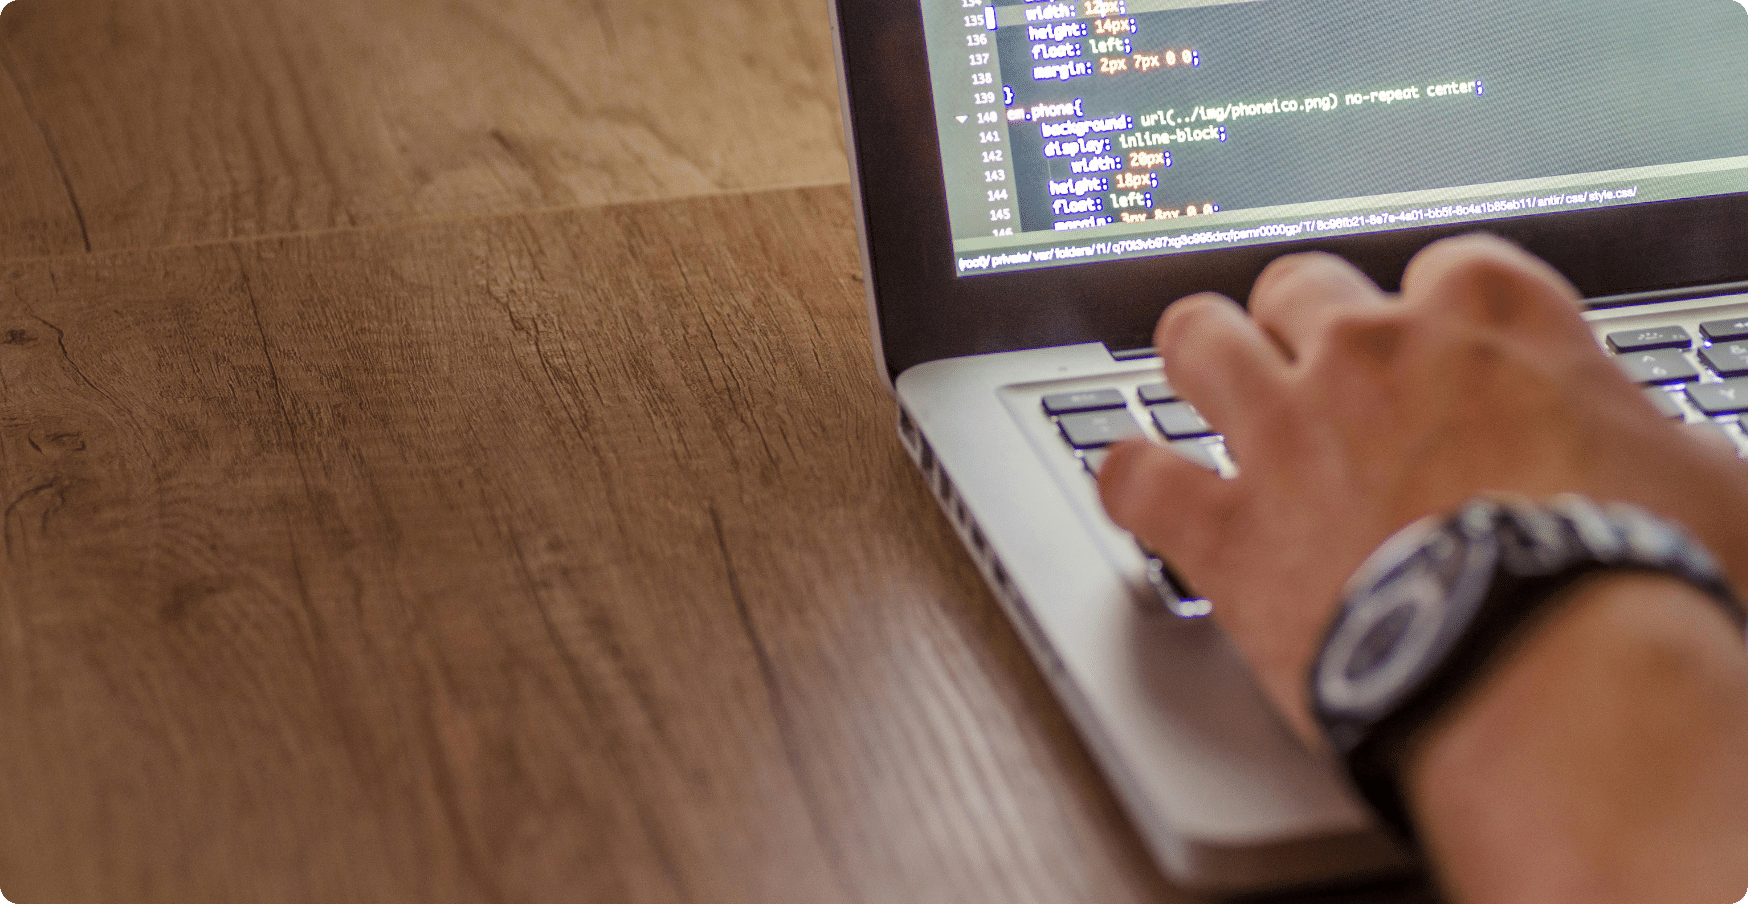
[1297, 295]
[1221, 363]
[1164, 499]
[1219, 360]
[1494, 283]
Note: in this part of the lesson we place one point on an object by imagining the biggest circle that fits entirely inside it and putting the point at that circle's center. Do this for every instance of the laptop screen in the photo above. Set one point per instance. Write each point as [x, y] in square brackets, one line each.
[1079, 131]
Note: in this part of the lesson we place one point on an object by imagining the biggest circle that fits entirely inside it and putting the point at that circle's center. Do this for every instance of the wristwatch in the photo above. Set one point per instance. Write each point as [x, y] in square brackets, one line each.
[1426, 612]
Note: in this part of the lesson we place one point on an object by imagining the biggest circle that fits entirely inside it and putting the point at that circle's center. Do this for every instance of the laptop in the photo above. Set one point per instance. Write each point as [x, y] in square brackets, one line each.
[1036, 180]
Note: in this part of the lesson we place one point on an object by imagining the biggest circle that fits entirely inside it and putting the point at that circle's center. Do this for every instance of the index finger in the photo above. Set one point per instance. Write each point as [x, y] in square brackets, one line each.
[1296, 296]
[1221, 362]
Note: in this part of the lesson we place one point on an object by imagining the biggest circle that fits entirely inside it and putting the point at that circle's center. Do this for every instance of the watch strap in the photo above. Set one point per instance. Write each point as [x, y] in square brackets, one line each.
[1531, 552]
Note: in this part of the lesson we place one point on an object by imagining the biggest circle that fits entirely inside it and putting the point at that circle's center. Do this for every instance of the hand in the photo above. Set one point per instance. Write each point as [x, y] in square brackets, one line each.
[1351, 413]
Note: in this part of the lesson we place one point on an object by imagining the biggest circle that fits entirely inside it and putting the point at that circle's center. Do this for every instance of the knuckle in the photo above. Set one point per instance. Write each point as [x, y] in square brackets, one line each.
[1472, 243]
[1290, 264]
[1489, 280]
[1189, 317]
[1309, 273]
[1368, 336]
[1215, 342]
[1487, 268]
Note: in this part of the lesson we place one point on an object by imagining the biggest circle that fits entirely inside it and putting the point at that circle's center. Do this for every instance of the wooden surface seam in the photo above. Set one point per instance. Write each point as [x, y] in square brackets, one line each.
[181, 121]
[577, 548]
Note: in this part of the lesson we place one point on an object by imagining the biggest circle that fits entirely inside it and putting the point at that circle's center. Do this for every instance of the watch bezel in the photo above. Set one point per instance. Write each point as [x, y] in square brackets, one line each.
[1444, 602]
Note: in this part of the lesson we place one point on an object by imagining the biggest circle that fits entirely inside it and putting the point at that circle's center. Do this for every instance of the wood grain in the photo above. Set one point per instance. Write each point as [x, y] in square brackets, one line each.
[568, 556]
[37, 214]
[181, 121]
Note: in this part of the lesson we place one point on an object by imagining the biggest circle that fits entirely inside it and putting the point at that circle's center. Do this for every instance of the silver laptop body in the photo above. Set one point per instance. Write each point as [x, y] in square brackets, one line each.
[1224, 797]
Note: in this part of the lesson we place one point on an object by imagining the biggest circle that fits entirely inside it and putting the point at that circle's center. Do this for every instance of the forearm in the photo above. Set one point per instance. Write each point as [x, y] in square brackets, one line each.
[1604, 760]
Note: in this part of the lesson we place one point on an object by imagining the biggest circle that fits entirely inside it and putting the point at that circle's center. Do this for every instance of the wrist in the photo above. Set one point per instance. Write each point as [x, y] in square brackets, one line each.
[1639, 629]
[1434, 608]
[1602, 750]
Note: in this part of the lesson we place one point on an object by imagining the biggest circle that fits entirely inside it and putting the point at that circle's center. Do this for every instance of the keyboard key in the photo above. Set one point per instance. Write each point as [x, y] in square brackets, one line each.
[1154, 393]
[1656, 337]
[1199, 452]
[1729, 360]
[1724, 330]
[1091, 429]
[1181, 599]
[1714, 429]
[1090, 400]
[1728, 397]
[1664, 403]
[1177, 420]
[1664, 365]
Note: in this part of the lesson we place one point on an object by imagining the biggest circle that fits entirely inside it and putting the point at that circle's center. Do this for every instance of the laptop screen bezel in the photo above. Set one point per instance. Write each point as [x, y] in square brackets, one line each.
[924, 311]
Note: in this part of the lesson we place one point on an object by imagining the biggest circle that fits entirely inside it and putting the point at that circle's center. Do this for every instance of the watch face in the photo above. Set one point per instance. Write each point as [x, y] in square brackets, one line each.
[1401, 612]
[1391, 634]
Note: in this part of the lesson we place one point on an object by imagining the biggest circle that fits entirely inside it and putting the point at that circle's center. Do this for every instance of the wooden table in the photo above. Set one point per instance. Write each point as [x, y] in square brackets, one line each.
[442, 461]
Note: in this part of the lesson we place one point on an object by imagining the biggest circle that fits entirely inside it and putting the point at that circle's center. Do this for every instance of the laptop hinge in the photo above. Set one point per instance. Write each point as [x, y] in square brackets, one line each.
[1616, 301]
[1134, 354]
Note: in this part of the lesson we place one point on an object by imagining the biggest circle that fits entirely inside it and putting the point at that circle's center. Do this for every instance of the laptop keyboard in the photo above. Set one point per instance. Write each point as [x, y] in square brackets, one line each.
[1703, 381]
[1708, 375]
[1090, 421]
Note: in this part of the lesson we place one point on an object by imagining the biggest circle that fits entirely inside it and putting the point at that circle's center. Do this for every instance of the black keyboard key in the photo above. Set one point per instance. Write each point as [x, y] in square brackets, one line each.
[1664, 365]
[1729, 360]
[1179, 597]
[1177, 420]
[1728, 397]
[1090, 400]
[1664, 403]
[1656, 337]
[1724, 330]
[1154, 393]
[1092, 429]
